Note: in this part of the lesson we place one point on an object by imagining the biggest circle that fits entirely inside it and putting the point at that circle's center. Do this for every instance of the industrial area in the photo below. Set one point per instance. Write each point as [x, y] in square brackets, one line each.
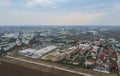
[96, 49]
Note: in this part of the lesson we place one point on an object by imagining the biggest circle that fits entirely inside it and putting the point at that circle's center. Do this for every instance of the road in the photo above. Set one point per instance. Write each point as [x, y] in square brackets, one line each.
[41, 64]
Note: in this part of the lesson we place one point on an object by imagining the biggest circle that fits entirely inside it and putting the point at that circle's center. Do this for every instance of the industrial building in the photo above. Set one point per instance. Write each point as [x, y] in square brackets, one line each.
[46, 50]
[28, 52]
[37, 53]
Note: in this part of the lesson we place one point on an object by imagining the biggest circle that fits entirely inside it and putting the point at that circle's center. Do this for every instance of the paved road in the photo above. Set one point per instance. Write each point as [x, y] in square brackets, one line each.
[49, 66]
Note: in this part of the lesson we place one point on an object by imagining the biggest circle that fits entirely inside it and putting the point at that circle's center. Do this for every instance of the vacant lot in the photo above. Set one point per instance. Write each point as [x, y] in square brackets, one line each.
[8, 69]
[52, 70]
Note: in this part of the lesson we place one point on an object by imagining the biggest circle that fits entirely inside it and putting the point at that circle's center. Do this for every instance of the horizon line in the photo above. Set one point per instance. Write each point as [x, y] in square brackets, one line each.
[58, 25]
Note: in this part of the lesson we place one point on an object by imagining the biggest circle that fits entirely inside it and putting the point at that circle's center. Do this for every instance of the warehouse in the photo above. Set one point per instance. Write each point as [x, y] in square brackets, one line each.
[28, 52]
[37, 53]
[46, 50]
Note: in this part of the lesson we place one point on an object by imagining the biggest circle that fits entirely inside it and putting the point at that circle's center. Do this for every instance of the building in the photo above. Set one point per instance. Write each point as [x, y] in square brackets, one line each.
[25, 41]
[18, 42]
[81, 46]
[102, 68]
[46, 50]
[89, 62]
[37, 53]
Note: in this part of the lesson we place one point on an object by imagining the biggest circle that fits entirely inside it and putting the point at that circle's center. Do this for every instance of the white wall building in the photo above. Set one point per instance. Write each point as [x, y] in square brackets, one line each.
[25, 41]
[37, 53]
[81, 46]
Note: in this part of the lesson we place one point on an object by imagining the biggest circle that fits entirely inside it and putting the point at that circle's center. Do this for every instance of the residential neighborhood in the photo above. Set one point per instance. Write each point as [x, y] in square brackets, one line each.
[94, 49]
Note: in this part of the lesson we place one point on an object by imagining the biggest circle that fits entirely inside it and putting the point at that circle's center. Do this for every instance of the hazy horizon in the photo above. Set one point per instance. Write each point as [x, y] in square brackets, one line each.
[59, 25]
[59, 12]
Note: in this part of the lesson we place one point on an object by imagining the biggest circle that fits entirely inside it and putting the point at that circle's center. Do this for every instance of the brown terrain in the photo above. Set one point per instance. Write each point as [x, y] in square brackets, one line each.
[12, 67]
[8, 69]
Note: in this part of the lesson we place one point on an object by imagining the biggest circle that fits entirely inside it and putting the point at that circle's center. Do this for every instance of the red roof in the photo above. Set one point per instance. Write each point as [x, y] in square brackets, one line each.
[97, 42]
[114, 65]
[71, 53]
[112, 51]
[113, 56]
[91, 60]
[101, 57]
[106, 51]
[76, 49]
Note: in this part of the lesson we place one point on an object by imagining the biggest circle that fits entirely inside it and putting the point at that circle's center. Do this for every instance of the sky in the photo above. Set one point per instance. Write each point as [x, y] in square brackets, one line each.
[59, 12]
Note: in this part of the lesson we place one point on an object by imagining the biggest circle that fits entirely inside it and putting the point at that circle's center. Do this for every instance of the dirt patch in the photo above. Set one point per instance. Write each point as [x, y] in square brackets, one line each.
[8, 69]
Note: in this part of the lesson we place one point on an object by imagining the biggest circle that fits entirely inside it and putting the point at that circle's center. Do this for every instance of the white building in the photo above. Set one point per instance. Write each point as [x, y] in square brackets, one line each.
[25, 41]
[18, 42]
[14, 35]
[93, 32]
[46, 50]
[81, 46]
[9, 46]
[37, 53]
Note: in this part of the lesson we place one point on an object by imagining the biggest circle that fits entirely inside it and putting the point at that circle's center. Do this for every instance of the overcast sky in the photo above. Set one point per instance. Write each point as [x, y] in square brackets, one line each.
[59, 12]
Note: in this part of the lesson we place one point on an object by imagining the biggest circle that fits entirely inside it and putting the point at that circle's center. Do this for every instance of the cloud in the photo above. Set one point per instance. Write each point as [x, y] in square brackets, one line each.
[76, 18]
[41, 2]
[55, 18]
[5, 3]
[30, 4]
[112, 17]
[109, 19]
[117, 7]
[73, 12]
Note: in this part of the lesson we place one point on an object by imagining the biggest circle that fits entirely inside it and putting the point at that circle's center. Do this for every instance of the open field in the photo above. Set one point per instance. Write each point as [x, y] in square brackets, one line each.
[9, 69]
[40, 68]
[53, 70]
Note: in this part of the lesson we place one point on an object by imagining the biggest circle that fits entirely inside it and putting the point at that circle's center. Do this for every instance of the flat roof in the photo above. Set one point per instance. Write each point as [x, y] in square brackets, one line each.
[46, 49]
[40, 52]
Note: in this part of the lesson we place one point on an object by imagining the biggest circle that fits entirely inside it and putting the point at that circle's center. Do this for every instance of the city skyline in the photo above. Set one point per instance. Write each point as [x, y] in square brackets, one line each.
[59, 12]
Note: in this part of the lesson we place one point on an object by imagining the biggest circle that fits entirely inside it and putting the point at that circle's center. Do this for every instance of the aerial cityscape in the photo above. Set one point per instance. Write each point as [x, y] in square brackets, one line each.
[59, 37]
[90, 49]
